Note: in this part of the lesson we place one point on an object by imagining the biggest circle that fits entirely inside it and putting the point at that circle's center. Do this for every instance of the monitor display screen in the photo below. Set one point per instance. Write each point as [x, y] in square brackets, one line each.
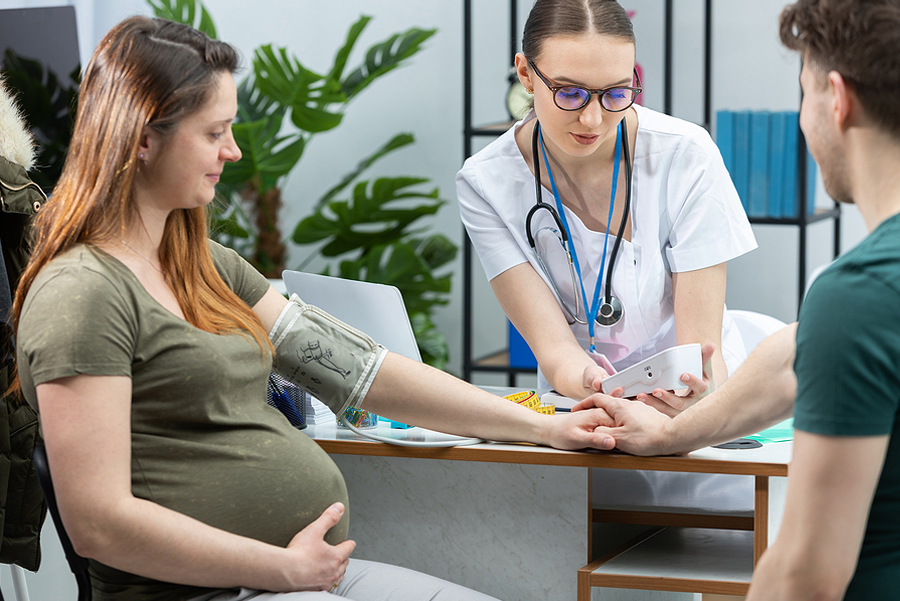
[41, 67]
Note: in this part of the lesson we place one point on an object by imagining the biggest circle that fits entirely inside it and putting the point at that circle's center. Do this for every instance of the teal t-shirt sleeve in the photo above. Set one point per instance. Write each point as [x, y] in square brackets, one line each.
[848, 377]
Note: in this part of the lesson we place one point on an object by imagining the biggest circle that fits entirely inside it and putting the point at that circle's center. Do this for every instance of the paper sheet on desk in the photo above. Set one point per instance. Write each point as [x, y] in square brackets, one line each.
[782, 432]
[562, 403]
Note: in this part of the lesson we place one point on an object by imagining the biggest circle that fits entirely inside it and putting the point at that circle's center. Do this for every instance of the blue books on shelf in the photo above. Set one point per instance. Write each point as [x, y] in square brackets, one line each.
[791, 139]
[759, 164]
[725, 139]
[777, 125]
[741, 173]
[761, 151]
[520, 354]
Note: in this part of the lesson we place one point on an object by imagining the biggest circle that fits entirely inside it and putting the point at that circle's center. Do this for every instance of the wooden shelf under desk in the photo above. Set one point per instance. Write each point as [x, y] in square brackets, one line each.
[672, 518]
[694, 560]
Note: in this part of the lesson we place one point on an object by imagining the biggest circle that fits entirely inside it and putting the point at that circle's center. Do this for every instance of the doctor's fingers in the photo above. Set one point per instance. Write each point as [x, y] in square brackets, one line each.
[706, 354]
[696, 389]
[592, 378]
[667, 403]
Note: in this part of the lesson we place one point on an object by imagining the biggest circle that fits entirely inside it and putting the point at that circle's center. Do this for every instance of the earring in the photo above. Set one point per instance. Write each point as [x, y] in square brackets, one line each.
[141, 156]
[530, 91]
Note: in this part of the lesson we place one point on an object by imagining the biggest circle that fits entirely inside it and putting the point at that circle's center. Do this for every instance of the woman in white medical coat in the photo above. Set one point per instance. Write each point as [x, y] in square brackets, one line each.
[685, 219]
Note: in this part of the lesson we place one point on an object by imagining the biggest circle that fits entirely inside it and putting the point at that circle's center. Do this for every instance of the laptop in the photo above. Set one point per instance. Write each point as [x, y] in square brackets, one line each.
[376, 309]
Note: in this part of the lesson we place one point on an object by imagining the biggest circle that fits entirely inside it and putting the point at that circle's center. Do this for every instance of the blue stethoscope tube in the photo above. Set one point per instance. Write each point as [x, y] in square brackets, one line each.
[611, 310]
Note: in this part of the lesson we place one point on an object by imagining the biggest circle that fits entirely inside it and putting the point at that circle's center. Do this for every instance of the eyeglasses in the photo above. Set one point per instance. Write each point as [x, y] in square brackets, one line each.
[572, 98]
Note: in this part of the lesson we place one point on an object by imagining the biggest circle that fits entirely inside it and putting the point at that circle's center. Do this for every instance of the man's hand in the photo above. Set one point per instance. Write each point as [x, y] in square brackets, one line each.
[319, 566]
[581, 430]
[671, 404]
[637, 428]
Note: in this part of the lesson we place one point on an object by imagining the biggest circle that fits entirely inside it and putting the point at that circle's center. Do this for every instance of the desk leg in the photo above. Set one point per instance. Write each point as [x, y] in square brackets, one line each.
[760, 518]
[508, 530]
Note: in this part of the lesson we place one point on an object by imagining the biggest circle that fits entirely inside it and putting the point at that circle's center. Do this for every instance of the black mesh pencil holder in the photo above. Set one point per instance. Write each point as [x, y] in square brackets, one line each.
[288, 399]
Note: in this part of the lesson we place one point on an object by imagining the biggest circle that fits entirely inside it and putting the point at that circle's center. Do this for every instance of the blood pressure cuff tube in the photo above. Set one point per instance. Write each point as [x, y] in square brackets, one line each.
[327, 358]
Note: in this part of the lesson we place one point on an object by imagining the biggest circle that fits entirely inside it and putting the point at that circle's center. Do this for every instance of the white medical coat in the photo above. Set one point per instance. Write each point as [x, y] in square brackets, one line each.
[685, 215]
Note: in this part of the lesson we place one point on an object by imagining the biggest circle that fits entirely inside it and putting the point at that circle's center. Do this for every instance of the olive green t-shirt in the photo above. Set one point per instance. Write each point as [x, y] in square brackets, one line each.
[204, 441]
[848, 384]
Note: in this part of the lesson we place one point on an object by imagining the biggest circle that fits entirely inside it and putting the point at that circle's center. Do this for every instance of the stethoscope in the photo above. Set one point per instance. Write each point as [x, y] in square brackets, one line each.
[610, 311]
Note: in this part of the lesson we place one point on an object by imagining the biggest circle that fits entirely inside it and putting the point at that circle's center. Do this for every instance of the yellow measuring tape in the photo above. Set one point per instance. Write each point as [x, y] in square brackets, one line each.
[530, 399]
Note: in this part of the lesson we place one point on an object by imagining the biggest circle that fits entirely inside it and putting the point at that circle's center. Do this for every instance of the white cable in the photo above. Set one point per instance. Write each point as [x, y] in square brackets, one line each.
[461, 441]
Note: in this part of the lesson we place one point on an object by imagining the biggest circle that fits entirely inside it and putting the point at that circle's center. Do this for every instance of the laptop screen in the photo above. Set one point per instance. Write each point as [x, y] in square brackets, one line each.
[376, 309]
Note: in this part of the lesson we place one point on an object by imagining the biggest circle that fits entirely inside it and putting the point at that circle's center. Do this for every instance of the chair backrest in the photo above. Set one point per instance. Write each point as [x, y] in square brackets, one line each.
[77, 563]
[754, 327]
[376, 309]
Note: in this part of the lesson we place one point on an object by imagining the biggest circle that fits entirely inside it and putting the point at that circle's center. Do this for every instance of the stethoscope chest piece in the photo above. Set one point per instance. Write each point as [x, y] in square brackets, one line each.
[610, 312]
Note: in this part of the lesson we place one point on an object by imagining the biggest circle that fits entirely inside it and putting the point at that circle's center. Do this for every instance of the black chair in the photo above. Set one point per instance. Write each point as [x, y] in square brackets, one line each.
[77, 563]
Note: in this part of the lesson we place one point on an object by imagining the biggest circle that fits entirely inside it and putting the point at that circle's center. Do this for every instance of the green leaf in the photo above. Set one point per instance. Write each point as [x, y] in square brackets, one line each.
[254, 106]
[378, 213]
[340, 60]
[396, 142]
[436, 250]
[206, 23]
[185, 12]
[230, 227]
[51, 103]
[384, 57]
[265, 156]
[314, 228]
[314, 120]
[229, 224]
[288, 83]
[432, 343]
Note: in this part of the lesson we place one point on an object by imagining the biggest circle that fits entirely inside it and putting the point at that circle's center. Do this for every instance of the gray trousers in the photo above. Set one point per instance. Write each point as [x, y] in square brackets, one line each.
[367, 581]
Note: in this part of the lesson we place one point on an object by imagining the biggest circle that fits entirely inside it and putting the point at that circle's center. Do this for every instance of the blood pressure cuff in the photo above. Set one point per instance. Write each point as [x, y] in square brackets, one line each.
[327, 358]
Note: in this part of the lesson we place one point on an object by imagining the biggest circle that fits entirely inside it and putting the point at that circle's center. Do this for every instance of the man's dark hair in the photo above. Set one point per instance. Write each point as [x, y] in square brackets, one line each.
[860, 39]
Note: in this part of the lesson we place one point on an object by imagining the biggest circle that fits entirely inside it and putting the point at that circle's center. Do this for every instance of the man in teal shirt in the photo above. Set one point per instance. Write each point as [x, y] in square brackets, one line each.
[840, 537]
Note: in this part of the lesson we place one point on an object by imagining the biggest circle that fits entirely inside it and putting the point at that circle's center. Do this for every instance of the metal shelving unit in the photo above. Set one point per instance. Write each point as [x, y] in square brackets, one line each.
[497, 361]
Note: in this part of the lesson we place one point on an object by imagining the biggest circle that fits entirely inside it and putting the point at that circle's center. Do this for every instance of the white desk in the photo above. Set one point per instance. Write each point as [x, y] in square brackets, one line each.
[514, 521]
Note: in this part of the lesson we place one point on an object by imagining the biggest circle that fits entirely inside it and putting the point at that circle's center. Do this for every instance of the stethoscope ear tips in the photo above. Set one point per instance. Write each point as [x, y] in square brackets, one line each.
[610, 312]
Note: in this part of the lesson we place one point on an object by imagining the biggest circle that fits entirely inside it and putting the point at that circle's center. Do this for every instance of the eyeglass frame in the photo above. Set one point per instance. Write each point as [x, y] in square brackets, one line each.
[599, 92]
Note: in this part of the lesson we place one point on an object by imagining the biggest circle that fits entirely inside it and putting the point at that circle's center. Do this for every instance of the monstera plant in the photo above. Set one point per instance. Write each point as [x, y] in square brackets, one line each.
[372, 236]
[282, 105]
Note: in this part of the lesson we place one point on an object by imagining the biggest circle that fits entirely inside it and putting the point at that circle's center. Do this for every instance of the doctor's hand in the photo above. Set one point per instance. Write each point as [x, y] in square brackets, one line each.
[637, 428]
[592, 379]
[671, 404]
[317, 565]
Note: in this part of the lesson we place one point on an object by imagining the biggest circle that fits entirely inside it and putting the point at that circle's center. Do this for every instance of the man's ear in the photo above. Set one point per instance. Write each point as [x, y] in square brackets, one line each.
[845, 104]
